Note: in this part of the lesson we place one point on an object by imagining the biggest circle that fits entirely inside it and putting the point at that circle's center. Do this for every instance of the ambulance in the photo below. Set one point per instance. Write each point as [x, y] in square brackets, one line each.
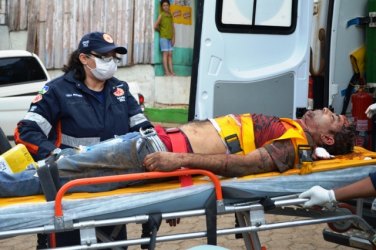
[281, 57]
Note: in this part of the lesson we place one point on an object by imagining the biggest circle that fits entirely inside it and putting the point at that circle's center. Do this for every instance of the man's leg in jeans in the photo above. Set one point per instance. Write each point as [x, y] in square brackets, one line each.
[20, 184]
[121, 155]
[118, 155]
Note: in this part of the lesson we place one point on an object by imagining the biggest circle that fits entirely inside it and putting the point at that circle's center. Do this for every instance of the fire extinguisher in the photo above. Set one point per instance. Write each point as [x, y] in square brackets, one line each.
[363, 126]
[310, 93]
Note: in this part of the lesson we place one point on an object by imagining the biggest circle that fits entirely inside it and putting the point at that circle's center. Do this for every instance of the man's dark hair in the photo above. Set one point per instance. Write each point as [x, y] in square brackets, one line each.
[75, 65]
[344, 141]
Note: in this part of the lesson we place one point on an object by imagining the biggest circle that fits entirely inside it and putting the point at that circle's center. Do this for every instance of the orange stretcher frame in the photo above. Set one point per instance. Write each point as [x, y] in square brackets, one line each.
[355, 159]
[132, 177]
[306, 168]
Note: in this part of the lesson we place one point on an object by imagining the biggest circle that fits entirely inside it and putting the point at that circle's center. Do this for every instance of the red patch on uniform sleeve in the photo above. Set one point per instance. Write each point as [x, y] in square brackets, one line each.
[37, 98]
[119, 92]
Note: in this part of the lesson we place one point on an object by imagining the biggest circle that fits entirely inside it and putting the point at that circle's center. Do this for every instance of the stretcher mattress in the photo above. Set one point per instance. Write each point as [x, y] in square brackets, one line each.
[29, 212]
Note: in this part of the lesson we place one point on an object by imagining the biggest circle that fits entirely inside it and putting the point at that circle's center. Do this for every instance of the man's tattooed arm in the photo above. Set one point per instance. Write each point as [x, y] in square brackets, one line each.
[258, 161]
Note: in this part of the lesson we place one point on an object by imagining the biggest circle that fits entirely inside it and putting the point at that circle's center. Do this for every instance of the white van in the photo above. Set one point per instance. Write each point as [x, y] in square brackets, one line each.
[22, 75]
[259, 56]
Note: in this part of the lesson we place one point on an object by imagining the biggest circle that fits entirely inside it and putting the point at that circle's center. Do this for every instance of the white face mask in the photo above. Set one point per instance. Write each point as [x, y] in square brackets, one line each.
[104, 70]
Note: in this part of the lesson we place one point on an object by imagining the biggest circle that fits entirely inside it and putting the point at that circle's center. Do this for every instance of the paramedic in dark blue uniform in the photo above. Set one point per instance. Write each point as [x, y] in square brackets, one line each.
[84, 106]
[366, 187]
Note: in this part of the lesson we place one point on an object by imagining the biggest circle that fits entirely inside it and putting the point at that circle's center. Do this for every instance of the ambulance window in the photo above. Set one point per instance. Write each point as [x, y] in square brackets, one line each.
[256, 16]
[274, 13]
[237, 12]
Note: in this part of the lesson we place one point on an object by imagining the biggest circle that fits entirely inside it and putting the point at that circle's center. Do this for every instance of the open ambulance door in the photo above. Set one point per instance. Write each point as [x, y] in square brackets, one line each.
[250, 56]
[344, 39]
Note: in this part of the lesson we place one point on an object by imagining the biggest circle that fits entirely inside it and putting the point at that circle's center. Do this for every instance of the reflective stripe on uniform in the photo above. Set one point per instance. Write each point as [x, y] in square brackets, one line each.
[42, 122]
[137, 119]
[77, 141]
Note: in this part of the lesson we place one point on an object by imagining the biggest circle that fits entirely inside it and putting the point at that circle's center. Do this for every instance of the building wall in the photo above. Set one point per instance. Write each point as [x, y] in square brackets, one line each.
[54, 27]
[158, 91]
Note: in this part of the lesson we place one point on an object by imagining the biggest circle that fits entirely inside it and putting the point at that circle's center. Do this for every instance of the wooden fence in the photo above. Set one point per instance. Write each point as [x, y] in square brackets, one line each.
[3, 12]
[54, 27]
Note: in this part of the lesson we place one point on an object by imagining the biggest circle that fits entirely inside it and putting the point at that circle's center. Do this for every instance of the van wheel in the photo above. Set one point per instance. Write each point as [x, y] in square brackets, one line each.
[4, 142]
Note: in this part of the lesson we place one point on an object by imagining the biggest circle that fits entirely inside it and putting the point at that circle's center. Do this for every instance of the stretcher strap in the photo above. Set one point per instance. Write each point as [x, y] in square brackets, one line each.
[236, 132]
[150, 229]
[179, 145]
[49, 179]
[306, 168]
[211, 220]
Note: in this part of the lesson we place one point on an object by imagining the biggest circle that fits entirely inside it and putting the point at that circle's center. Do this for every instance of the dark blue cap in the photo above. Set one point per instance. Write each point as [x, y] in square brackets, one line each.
[99, 42]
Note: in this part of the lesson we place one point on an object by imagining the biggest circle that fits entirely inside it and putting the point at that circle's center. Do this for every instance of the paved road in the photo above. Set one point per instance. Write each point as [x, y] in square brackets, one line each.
[306, 237]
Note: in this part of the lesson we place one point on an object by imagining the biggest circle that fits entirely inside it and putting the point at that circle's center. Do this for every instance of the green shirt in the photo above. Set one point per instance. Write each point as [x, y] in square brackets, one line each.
[165, 26]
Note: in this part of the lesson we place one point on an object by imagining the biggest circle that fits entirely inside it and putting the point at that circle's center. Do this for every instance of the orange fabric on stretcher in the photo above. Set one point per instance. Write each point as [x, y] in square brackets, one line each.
[354, 159]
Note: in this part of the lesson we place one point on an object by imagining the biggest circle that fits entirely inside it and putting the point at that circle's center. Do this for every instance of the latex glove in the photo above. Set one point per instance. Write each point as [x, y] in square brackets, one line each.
[321, 153]
[371, 110]
[318, 196]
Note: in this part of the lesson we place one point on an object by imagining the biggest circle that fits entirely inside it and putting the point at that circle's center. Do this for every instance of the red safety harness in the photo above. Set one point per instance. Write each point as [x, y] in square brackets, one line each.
[179, 145]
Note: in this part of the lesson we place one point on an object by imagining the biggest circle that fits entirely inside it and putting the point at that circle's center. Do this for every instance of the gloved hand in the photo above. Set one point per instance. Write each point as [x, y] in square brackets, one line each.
[371, 110]
[321, 153]
[318, 196]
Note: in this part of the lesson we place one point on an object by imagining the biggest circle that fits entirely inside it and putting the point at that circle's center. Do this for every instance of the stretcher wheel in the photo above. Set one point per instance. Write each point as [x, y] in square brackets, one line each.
[342, 226]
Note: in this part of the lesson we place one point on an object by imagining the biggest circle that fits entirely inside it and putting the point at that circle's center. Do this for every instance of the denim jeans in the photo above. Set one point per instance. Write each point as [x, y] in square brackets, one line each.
[121, 155]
